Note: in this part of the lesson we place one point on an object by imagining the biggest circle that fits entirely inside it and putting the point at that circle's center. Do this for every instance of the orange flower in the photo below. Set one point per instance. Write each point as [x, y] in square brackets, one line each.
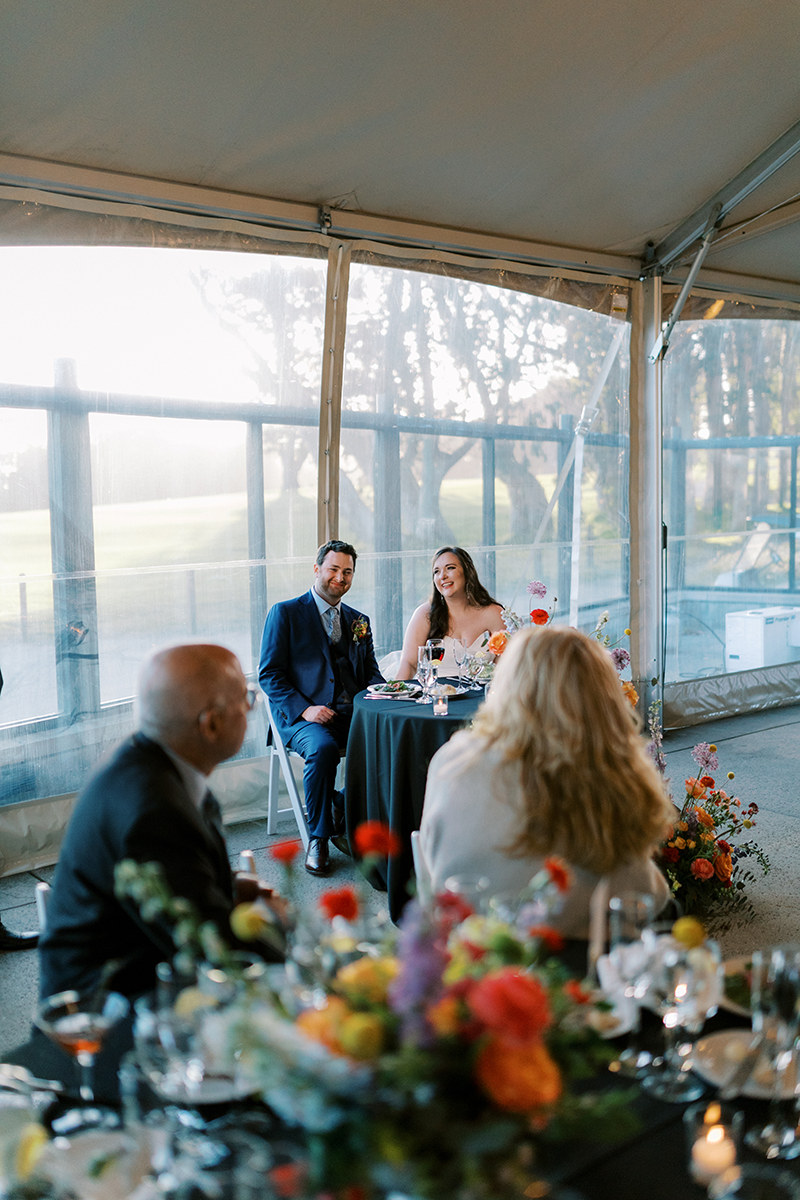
[704, 818]
[630, 692]
[702, 869]
[444, 1016]
[323, 1024]
[695, 788]
[373, 837]
[511, 1003]
[723, 866]
[518, 1079]
[540, 616]
[497, 643]
[559, 873]
[339, 902]
[552, 939]
[576, 992]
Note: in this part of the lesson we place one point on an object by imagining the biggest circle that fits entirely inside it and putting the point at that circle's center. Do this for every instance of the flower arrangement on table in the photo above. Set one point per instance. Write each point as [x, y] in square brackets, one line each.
[438, 1059]
[707, 866]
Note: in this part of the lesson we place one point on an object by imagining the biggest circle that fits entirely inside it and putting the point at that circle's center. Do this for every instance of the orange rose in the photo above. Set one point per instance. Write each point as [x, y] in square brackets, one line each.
[497, 643]
[723, 865]
[702, 869]
[518, 1078]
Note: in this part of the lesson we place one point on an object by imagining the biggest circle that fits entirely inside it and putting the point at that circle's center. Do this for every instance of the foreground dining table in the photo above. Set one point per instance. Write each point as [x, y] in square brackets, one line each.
[389, 748]
[649, 1162]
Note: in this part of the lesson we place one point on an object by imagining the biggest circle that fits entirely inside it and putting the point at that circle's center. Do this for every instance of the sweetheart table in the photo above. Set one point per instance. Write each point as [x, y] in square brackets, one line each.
[390, 745]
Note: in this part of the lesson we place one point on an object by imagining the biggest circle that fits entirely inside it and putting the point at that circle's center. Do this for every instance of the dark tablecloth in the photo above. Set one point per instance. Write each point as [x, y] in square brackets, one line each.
[390, 745]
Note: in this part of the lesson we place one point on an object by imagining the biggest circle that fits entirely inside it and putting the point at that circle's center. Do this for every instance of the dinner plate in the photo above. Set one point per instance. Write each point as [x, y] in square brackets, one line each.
[395, 689]
[716, 1056]
[213, 1089]
[731, 967]
[451, 690]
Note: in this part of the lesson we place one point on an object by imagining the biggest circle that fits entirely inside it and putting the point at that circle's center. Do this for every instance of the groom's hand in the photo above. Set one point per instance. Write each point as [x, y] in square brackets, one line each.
[320, 714]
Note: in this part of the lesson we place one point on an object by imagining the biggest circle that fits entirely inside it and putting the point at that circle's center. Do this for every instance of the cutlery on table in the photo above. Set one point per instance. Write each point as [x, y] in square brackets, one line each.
[743, 1069]
[16, 1078]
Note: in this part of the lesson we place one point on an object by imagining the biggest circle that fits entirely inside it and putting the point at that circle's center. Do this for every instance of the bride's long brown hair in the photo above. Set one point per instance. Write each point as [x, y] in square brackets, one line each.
[476, 593]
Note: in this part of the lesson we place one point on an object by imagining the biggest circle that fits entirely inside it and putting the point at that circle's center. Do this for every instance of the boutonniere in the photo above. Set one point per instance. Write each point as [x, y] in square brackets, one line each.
[359, 629]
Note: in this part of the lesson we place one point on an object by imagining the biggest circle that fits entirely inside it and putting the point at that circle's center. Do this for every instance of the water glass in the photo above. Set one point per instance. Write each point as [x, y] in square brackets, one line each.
[775, 1000]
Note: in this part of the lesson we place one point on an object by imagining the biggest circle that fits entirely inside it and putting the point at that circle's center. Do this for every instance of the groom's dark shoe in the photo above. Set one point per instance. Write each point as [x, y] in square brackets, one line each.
[317, 856]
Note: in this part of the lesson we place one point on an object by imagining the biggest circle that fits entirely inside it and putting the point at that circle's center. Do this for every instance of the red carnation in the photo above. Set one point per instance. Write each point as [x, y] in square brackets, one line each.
[511, 1003]
[373, 837]
[339, 902]
[559, 873]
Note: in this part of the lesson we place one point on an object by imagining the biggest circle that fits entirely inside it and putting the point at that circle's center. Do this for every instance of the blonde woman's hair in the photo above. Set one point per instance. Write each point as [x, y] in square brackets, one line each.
[557, 708]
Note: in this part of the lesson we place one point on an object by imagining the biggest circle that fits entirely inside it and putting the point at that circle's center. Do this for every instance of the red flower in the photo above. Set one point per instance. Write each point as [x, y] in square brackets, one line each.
[452, 909]
[576, 992]
[511, 1003]
[670, 854]
[707, 781]
[285, 852]
[540, 616]
[551, 937]
[373, 837]
[339, 902]
[559, 873]
[702, 869]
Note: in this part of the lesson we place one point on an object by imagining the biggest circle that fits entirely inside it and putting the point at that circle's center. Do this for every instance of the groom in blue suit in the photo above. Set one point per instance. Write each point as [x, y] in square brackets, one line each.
[316, 654]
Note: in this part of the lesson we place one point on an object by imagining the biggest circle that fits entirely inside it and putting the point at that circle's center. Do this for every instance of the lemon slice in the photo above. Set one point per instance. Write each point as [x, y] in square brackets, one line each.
[32, 1141]
[689, 932]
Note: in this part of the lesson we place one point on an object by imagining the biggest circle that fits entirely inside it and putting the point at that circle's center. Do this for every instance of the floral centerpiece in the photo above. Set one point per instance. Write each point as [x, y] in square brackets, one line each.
[439, 1059]
[707, 865]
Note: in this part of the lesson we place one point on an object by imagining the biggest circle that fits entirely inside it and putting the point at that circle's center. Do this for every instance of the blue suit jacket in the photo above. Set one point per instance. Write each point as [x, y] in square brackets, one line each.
[296, 664]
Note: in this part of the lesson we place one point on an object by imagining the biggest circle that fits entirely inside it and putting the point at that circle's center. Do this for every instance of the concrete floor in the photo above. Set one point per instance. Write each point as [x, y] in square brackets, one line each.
[762, 749]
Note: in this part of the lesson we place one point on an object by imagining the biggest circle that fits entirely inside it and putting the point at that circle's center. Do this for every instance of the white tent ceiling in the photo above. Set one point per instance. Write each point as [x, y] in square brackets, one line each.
[568, 132]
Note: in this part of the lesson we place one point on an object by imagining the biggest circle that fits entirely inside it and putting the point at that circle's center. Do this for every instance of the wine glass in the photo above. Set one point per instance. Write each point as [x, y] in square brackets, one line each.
[436, 649]
[460, 655]
[775, 1000]
[684, 984]
[629, 914]
[79, 1022]
[425, 674]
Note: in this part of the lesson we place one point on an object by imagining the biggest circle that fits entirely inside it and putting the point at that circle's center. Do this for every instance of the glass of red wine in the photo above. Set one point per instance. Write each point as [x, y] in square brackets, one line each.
[79, 1022]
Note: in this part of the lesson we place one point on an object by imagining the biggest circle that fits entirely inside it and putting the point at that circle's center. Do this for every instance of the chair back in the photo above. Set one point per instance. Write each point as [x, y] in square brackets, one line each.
[422, 872]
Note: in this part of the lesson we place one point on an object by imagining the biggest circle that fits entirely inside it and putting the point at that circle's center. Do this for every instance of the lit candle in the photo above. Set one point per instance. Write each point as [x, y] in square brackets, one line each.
[440, 706]
[713, 1152]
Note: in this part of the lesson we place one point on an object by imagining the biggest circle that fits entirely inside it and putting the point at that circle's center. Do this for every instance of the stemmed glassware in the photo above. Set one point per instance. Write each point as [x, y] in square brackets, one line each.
[629, 914]
[460, 655]
[775, 999]
[436, 649]
[426, 674]
[684, 984]
[79, 1022]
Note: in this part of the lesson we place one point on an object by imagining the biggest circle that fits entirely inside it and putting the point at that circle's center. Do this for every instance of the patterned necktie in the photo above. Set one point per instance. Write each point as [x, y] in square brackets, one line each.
[333, 624]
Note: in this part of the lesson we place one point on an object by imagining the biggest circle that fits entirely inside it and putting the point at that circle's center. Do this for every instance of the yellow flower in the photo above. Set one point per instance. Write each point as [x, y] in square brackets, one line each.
[361, 1035]
[683, 826]
[631, 694]
[680, 843]
[366, 980]
[323, 1024]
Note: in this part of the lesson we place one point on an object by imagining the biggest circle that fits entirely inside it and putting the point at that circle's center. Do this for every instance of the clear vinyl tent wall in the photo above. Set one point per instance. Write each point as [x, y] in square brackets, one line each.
[190, 408]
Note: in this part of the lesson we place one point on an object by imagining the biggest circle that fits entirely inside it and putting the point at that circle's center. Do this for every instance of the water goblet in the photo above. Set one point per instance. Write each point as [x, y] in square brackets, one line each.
[78, 1023]
[684, 984]
[436, 649]
[775, 999]
[425, 674]
[460, 655]
[629, 914]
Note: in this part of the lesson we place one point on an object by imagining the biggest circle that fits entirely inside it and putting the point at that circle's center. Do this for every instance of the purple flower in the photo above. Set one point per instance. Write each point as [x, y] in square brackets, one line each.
[419, 980]
[620, 657]
[705, 757]
[535, 588]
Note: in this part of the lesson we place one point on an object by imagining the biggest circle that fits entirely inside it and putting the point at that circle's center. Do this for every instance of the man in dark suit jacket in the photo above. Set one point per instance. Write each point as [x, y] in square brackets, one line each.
[316, 653]
[149, 802]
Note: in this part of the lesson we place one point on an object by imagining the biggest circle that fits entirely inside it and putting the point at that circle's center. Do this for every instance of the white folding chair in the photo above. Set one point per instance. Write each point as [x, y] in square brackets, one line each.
[42, 897]
[280, 760]
[422, 872]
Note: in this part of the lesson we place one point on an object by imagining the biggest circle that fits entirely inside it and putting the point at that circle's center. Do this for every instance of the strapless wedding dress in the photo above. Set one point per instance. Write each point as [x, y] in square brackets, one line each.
[449, 665]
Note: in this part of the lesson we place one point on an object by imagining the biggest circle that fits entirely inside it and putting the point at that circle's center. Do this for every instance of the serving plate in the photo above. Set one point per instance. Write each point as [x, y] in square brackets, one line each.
[395, 689]
[716, 1056]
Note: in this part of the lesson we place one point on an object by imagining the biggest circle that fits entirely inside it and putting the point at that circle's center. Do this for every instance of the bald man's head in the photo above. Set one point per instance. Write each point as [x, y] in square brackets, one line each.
[193, 699]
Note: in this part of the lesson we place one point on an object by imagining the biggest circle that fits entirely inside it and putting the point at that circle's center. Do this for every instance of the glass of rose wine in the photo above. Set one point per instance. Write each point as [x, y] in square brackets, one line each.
[78, 1022]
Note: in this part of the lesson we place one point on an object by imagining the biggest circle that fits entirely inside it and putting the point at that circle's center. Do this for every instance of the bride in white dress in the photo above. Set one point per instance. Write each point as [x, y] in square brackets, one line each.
[459, 607]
